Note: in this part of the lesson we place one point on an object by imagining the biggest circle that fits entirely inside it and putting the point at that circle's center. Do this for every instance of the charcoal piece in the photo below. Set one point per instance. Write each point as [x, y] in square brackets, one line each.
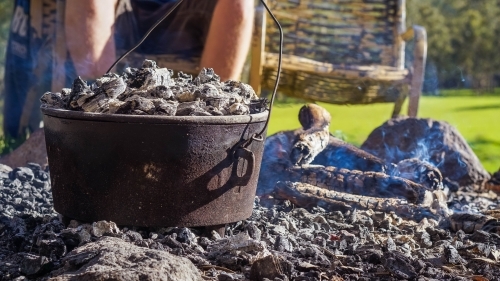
[247, 92]
[171, 242]
[162, 107]
[390, 245]
[183, 79]
[136, 105]
[282, 244]
[79, 86]
[219, 102]
[112, 85]
[480, 236]
[184, 235]
[150, 76]
[258, 105]
[399, 265]
[65, 93]
[80, 93]
[243, 90]
[206, 75]
[238, 109]
[73, 237]
[270, 267]
[191, 109]
[425, 239]
[492, 226]
[452, 256]
[161, 91]
[24, 174]
[133, 236]
[206, 91]
[469, 222]
[253, 231]
[225, 277]
[213, 111]
[54, 247]
[185, 95]
[98, 104]
[5, 171]
[52, 99]
[114, 105]
[34, 264]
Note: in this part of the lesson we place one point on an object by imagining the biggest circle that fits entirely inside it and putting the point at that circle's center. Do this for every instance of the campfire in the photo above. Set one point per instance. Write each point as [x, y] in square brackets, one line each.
[413, 203]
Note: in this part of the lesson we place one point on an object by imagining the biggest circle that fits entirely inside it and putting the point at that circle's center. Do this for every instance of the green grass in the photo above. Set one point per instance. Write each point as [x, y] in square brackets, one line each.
[476, 117]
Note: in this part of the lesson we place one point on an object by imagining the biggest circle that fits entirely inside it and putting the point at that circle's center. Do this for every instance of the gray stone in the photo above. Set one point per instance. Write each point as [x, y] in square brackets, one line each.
[113, 259]
[436, 142]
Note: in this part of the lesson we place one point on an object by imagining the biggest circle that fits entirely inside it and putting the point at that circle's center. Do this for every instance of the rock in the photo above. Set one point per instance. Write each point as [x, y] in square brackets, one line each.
[32, 150]
[113, 259]
[270, 267]
[436, 142]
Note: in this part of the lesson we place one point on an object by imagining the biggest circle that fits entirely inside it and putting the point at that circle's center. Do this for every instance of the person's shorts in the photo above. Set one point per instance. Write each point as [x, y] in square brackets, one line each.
[181, 35]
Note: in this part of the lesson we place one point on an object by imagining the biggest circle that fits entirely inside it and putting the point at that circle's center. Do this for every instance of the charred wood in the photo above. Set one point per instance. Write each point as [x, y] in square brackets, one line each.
[307, 196]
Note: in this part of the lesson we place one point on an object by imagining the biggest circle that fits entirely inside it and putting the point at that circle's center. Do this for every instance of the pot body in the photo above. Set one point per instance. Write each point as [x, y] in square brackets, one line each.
[152, 170]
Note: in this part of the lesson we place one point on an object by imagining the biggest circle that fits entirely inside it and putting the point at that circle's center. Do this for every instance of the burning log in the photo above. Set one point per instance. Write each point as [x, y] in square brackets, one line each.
[348, 169]
[419, 171]
[357, 182]
[307, 195]
[314, 136]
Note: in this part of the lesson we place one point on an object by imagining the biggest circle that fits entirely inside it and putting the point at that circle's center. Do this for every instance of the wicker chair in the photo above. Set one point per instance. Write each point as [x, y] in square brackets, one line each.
[340, 51]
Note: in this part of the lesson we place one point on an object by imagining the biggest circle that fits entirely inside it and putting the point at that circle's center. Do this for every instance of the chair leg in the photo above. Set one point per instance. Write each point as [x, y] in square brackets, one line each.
[417, 80]
[398, 105]
[257, 48]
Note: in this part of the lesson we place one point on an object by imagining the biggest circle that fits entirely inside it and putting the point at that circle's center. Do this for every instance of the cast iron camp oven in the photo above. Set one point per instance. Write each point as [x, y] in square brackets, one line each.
[155, 170]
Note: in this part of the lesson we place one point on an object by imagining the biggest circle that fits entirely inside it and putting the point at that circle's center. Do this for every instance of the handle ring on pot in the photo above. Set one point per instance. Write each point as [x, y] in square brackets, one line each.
[245, 154]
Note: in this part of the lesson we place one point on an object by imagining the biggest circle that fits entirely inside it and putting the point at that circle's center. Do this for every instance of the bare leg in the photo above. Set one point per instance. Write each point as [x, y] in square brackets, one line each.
[229, 38]
[89, 35]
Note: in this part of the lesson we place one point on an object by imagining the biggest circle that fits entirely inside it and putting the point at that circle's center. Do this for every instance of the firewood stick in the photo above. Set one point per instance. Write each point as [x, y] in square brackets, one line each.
[357, 182]
[314, 135]
[306, 195]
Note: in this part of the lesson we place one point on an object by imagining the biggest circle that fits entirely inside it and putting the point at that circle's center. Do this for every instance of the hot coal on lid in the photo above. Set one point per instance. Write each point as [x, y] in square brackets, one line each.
[152, 90]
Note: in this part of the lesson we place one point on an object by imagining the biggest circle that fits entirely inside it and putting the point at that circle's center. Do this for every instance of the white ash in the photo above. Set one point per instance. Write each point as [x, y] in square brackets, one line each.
[151, 90]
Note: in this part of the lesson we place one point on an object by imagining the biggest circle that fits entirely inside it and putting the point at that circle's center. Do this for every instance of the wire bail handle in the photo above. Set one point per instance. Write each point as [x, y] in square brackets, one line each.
[255, 137]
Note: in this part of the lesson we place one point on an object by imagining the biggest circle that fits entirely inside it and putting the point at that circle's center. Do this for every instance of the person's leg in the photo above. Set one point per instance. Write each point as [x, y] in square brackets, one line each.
[229, 38]
[89, 35]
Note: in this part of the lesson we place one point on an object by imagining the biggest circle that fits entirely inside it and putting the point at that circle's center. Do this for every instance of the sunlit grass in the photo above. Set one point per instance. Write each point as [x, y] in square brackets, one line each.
[476, 117]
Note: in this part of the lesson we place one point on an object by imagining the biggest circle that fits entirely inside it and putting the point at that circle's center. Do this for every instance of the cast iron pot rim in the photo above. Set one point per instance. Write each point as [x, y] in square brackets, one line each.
[154, 119]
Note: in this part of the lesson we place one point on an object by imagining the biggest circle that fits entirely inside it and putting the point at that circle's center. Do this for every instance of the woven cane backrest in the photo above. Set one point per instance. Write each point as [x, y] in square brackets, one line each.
[352, 32]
